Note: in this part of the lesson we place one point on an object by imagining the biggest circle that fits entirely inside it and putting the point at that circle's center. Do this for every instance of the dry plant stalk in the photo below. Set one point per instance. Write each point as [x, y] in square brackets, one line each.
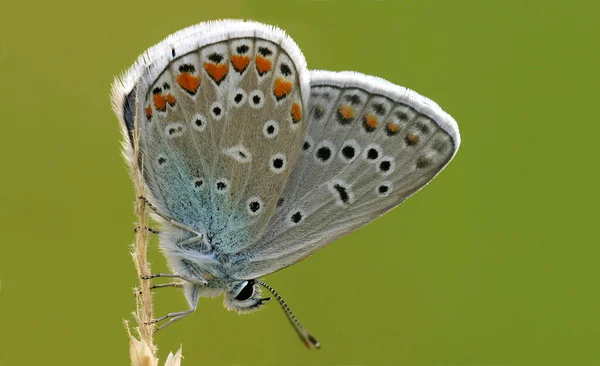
[143, 351]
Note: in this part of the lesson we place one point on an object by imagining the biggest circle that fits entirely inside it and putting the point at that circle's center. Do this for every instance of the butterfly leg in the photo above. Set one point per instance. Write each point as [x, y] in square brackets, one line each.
[173, 317]
[170, 219]
[195, 280]
[163, 285]
[170, 284]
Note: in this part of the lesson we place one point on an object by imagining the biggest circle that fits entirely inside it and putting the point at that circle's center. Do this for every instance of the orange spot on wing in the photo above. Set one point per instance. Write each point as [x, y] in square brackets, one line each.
[188, 82]
[282, 88]
[296, 113]
[216, 71]
[371, 121]
[412, 138]
[160, 102]
[171, 99]
[148, 112]
[392, 127]
[262, 65]
[347, 111]
[240, 62]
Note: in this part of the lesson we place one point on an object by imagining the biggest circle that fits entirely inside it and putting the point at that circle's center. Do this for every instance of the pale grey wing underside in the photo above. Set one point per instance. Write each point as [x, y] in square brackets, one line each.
[221, 122]
[370, 145]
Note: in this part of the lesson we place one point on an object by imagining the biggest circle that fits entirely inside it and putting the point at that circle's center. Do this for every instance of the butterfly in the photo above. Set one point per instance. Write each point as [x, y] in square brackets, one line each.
[251, 162]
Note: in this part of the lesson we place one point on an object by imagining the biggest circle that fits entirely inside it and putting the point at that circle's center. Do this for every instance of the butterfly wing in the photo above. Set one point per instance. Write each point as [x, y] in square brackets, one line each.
[220, 108]
[369, 146]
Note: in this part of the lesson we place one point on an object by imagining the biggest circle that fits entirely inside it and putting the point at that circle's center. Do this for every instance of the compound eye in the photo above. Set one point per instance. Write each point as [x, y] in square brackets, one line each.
[246, 292]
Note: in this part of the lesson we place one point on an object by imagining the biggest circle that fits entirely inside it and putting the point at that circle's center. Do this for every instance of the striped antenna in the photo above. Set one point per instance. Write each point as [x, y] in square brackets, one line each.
[305, 337]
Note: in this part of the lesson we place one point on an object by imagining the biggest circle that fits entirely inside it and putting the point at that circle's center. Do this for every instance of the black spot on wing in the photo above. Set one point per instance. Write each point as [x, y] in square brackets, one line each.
[215, 57]
[264, 51]
[342, 192]
[353, 99]
[187, 68]
[285, 70]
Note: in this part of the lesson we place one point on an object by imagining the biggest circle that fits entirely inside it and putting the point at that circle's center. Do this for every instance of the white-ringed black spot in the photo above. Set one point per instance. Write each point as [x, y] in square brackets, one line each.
[198, 183]
[254, 206]
[222, 185]
[296, 217]
[199, 122]
[372, 153]
[349, 151]
[270, 129]
[386, 165]
[278, 163]
[217, 111]
[384, 189]
[324, 152]
[238, 98]
[256, 99]
[341, 191]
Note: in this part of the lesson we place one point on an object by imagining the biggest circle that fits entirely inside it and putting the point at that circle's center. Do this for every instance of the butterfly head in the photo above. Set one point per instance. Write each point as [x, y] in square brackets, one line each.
[244, 297]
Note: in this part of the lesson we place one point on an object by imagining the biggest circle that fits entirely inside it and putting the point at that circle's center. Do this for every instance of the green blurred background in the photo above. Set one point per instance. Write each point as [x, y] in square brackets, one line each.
[494, 263]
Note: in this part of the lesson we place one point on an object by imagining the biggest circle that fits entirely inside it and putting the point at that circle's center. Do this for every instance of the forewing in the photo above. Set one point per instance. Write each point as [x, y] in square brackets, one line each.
[369, 146]
[220, 111]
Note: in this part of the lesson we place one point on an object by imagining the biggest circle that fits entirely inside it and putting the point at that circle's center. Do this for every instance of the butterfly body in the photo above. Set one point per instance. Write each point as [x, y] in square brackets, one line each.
[252, 162]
